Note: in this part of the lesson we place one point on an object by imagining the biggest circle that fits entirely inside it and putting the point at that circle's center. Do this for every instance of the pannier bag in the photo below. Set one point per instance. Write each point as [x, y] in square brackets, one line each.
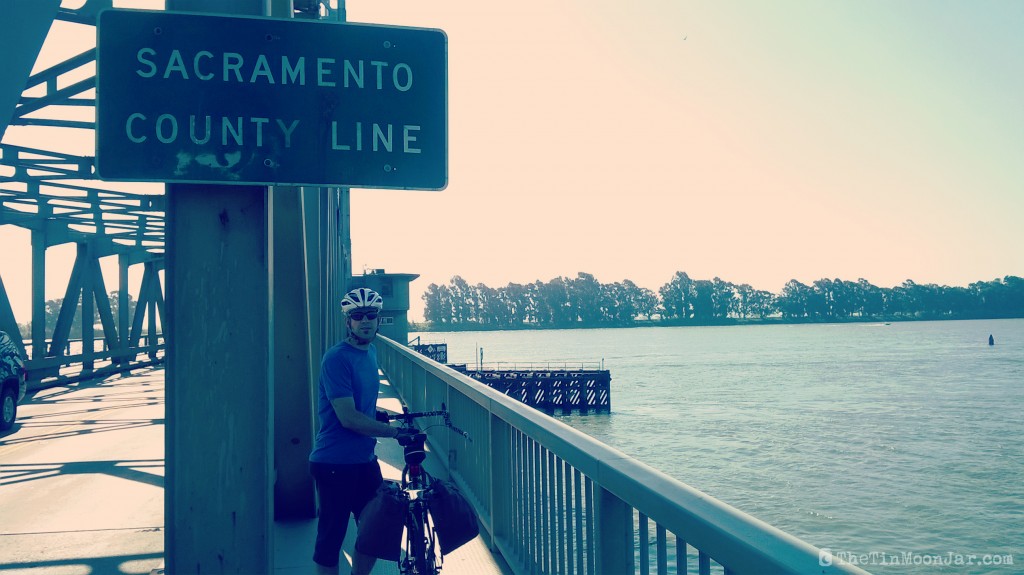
[454, 519]
[381, 523]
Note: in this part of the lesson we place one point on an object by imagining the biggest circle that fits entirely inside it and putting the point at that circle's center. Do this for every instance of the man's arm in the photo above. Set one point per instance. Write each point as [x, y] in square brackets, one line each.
[352, 418]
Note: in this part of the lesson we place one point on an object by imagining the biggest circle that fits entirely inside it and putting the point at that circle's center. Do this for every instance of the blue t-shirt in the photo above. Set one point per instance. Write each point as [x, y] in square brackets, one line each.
[345, 372]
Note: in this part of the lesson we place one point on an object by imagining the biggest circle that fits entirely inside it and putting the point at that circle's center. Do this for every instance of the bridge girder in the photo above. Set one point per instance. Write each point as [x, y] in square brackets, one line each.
[55, 194]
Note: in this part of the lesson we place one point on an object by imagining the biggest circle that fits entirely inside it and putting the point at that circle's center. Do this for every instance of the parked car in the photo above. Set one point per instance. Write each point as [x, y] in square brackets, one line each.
[12, 381]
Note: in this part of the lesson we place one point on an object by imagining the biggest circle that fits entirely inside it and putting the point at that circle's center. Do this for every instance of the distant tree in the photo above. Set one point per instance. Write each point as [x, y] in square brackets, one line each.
[872, 297]
[616, 304]
[751, 303]
[898, 302]
[553, 307]
[646, 301]
[542, 306]
[519, 302]
[52, 310]
[438, 304]
[793, 301]
[115, 303]
[844, 298]
[744, 292]
[495, 306]
[628, 300]
[677, 297]
[762, 303]
[584, 296]
[961, 302]
[820, 303]
[857, 297]
[1000, 298]
[723, 298]
[1014, 302]
[463, 300]
[702, 300]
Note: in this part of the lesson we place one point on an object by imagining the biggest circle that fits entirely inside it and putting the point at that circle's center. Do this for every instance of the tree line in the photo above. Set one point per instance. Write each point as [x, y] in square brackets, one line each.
[583, 301]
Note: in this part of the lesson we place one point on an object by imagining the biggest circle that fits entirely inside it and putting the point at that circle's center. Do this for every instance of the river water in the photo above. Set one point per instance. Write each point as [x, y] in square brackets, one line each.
[898, 446]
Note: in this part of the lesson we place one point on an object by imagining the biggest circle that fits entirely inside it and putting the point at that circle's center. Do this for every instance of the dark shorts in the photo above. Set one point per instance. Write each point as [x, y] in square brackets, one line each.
[344, 490]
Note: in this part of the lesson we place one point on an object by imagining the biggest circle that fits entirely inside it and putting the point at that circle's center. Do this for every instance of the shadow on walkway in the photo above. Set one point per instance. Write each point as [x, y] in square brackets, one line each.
[132, 469]
[92, 552]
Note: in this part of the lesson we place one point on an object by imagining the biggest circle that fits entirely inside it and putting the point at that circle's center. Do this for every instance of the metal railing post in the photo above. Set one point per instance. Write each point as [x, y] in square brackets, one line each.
[613, 529]
[500, 480]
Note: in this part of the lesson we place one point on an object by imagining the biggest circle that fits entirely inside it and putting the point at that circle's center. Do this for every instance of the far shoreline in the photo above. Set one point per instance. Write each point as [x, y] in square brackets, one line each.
[421, 327]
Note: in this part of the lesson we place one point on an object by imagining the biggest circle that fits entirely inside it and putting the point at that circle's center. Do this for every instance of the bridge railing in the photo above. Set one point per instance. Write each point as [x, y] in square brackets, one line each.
[553, 500]
[74, 361]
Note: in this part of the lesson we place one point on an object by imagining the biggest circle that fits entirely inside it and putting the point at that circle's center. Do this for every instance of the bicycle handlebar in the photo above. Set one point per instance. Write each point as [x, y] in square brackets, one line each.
[407, 418]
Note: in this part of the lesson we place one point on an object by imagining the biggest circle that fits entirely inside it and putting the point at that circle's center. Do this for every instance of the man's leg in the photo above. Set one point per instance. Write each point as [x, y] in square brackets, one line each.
[332, 522]
[371, 479]
[325, 570]
[362, 564]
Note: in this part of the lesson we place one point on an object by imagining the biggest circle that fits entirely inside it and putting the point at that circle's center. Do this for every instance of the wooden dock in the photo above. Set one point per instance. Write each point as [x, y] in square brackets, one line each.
[552, 391]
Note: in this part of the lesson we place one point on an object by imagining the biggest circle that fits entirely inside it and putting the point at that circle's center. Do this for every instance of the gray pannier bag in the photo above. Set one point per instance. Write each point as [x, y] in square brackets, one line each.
[381, 523]
[454, 519]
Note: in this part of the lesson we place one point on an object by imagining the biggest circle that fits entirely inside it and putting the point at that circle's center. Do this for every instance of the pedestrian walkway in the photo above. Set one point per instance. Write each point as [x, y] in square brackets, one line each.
[82, 487]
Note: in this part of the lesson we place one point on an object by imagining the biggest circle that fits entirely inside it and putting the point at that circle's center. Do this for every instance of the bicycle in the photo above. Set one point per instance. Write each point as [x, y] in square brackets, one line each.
[420, 550]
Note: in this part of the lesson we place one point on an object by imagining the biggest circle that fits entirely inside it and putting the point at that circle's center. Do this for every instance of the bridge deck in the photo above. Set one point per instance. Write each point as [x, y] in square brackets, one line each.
[81, 486]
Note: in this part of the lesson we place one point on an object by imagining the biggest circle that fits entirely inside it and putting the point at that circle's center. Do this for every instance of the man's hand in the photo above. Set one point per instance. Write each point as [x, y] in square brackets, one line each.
[405, 436]
[383, 416]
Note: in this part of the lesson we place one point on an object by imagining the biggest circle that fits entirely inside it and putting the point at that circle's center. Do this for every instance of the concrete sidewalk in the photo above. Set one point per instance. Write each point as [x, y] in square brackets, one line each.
[81, 487]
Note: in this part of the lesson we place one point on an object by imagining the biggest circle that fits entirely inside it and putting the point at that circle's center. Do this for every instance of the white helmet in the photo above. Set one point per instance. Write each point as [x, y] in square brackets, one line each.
[361, 298]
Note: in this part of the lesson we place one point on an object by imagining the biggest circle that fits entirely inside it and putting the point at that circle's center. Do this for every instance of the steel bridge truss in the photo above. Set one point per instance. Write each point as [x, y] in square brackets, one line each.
[56, 196]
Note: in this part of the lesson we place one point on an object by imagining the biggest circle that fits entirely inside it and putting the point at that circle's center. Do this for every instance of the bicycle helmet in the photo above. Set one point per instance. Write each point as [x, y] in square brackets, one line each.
[361, 298]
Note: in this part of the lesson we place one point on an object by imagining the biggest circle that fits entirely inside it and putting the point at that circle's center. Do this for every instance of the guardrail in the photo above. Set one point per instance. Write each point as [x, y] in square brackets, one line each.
[553, 500]
[75, 362]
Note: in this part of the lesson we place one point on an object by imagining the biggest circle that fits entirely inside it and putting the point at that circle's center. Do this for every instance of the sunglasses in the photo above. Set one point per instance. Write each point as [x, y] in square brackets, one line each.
[358, 315]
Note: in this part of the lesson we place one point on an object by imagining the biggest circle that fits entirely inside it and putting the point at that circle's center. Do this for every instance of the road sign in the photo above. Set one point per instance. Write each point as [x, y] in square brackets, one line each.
[245, 100]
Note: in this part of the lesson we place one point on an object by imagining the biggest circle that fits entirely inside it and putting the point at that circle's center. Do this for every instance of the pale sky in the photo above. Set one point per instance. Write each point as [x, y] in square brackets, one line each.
[758, 142]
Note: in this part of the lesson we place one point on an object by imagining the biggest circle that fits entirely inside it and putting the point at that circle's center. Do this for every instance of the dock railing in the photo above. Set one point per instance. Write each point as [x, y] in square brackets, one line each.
[553, 500]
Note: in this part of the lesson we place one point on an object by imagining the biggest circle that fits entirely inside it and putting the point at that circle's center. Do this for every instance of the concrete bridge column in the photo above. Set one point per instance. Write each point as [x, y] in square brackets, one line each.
[219, 438]
[219, 396]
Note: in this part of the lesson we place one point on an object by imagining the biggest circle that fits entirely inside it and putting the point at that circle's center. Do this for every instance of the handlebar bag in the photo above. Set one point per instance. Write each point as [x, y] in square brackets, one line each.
[454, 519]
[381, 523]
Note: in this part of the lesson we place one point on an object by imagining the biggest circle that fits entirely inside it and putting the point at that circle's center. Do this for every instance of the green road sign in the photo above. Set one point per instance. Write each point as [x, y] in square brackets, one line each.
[243, 100]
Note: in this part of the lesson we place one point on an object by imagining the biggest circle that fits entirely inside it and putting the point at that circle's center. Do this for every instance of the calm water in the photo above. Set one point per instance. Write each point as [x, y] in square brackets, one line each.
[902, 440]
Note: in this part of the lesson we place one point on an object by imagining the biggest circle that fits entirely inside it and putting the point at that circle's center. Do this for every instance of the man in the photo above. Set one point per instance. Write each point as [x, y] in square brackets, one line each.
[343, 462]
